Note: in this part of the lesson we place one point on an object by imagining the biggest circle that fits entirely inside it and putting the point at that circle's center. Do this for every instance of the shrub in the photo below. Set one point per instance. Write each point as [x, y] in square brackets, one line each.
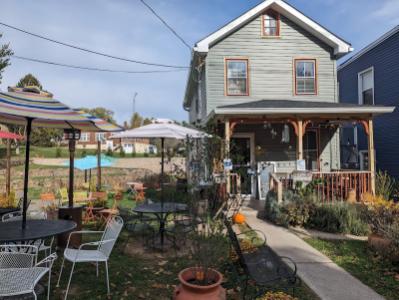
[122, 152]
[58, 152]
[146, 154]
[337, 218]
[133, 153]
[109, 152]
[384, 185]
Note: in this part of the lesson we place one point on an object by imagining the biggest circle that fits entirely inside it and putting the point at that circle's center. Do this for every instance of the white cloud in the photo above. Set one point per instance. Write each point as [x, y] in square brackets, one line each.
[389, 10]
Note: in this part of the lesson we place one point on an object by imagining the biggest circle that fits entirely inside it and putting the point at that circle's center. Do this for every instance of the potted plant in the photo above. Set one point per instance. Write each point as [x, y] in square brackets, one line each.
[208, 247]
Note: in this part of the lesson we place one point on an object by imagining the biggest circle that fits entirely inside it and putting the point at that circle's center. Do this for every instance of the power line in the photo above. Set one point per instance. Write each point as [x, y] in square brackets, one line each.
[93, 51]
[166, 24]
[93, 69]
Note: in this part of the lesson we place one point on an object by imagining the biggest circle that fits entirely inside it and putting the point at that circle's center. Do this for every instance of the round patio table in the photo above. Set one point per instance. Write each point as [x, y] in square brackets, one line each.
[161, 212]
[11, 232]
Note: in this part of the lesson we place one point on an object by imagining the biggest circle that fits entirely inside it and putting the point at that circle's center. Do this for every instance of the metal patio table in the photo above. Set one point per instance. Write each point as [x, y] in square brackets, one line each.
[161, 211]
[12, 232]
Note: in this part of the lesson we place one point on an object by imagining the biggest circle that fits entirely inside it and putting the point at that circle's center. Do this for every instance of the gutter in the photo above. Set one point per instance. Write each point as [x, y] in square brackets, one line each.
[275, 111]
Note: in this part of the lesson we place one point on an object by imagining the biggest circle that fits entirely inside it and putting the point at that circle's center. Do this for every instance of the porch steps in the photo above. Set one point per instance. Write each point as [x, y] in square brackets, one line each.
[323, 276]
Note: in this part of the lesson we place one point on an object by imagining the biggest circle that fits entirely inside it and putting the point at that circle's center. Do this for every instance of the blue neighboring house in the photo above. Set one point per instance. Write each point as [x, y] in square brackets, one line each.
[372, 77]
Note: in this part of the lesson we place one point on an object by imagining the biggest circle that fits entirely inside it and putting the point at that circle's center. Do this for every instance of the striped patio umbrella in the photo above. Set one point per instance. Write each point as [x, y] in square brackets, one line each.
[39, 110]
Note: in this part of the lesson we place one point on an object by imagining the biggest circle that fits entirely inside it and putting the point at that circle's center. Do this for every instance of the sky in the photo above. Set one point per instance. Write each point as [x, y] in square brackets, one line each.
[126, 28]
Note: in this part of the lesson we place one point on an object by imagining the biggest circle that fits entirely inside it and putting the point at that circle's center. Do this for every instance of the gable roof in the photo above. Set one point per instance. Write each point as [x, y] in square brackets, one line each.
[370, 47]
[341, 47]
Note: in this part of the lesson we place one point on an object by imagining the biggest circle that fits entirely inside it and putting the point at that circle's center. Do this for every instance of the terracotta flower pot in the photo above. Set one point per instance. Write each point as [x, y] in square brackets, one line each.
[189, 291]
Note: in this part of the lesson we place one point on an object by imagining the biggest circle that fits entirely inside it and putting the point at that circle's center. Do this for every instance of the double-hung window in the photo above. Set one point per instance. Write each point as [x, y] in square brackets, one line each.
[305, 77]
[100, 136]
[84, 137]
[237, 77]
[271, 23]
[366, 87]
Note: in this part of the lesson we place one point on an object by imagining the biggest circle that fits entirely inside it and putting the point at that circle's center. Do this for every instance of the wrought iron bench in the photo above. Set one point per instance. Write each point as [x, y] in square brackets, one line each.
[261, 264]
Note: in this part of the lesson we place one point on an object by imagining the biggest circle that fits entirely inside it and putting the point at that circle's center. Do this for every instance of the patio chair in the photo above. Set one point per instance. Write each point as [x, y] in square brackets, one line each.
[19, 272]
[138, 224]
[63, 192]
[12, 216]
[42, 245]
[20, 281]
[86, 253]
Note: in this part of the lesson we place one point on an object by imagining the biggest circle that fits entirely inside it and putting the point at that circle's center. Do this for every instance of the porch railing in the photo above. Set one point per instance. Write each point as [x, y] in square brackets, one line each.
[330, 186]
[343, 185]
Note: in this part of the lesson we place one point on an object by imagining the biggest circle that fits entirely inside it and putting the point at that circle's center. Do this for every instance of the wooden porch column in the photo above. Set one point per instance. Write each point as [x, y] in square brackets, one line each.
[371, 154]
[227, 135]
[299, 148]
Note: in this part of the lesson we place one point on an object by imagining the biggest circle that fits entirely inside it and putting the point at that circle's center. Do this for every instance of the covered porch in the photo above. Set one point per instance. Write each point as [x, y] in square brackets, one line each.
[274, 144]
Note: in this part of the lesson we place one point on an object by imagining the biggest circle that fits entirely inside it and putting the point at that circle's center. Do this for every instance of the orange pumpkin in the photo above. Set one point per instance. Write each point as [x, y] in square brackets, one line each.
[239, 218]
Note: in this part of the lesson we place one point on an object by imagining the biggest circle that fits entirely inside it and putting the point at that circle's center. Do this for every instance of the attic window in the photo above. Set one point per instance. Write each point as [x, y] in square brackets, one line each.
[271, 23]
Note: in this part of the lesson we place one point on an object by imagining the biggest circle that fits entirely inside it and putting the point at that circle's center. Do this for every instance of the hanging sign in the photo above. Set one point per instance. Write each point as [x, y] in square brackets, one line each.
[227, 164]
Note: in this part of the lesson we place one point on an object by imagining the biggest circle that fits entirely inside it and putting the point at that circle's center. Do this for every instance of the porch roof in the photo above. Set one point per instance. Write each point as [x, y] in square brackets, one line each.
[279, 108]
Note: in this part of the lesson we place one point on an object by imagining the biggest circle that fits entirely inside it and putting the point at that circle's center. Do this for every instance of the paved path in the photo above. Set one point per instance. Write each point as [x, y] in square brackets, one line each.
[325, 278]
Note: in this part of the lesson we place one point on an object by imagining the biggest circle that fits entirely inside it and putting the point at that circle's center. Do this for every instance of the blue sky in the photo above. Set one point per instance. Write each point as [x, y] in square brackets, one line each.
[126, 28]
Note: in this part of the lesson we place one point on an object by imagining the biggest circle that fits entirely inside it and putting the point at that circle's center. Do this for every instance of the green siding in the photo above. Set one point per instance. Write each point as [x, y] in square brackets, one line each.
[270, 64]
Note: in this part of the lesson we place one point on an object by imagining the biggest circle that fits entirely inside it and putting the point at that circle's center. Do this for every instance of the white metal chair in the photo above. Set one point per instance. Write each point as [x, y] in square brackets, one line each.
[43, 245]
[19, 272]
[12, 216]
[100, 253]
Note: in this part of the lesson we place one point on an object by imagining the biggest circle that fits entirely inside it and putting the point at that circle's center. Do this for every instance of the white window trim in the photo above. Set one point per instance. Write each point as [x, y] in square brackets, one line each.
[359, 85]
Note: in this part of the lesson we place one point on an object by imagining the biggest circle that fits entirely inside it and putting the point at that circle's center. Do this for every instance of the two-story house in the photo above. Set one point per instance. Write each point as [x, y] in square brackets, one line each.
[268, 78]
[371, 76]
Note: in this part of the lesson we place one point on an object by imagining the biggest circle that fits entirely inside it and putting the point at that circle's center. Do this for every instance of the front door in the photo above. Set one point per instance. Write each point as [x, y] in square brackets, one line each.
[241, 151]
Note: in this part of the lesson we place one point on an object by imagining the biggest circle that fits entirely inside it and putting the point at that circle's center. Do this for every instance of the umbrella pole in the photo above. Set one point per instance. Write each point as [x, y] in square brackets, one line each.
[162, 192]
[26, 176]
[98, 166]
[72, 144]
[8, 169]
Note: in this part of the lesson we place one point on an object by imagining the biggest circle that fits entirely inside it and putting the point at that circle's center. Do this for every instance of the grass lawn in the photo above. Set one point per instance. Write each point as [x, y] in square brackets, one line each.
[137, 274]
[356, 258]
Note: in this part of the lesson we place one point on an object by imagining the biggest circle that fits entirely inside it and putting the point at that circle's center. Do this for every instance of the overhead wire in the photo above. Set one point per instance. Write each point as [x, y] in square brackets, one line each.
[94, 68]
[93, 51]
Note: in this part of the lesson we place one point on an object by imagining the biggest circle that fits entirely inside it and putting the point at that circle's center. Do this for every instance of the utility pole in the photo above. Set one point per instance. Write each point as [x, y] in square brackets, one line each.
[134, 103]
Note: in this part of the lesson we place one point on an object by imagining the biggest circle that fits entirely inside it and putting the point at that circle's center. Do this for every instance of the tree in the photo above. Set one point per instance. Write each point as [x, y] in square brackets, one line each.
[137, 120]
[29, 80]
[5, 53]
[100, 112]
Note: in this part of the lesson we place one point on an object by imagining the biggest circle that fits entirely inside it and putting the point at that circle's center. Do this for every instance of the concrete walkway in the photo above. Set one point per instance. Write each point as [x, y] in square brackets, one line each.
[325, 278]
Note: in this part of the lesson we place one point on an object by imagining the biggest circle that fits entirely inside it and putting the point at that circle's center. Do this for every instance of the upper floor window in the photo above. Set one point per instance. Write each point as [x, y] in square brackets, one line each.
[84, 137]
[366, 87]
[237, 77]
[271, 23]
[305, 77]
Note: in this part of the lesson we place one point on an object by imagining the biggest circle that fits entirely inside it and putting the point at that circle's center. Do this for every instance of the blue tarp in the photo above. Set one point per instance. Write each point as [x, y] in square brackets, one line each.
[90, 162]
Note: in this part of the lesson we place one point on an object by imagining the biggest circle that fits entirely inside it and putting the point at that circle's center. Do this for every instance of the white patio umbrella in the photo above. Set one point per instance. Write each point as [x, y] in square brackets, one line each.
[162, 131]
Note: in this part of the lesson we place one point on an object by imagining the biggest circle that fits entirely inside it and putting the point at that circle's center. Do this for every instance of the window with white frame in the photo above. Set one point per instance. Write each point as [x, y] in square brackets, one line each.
[84, 137]
[100, 136]
[237, 77]
[305, 77]
[366, 87]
